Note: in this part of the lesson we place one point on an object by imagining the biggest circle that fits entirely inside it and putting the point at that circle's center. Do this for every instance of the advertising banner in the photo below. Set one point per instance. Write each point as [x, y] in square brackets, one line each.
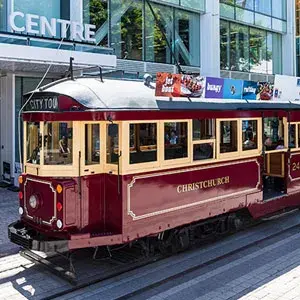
[179, 85]
[214, 87]
[286, 88]
[233, 89]
[253, 90]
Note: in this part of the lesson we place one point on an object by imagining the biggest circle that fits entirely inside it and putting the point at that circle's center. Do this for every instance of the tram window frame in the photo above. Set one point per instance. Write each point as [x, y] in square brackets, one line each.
[297, 136]
[284, 138]
[178, 160]
[197, 142]
[137, 148]
[117, 155]
[40, 153]
[257, 150]
[231, 154]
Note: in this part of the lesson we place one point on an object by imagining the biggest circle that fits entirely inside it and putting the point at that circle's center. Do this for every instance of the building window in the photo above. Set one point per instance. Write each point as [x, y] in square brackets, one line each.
[228, 136]
[127, 29]
[143, 143]
[92, 144]
[187, 37]
[156, 47]
[249, 49]
[249, 134]
[203, 139]
[96, 12]
[176, 140]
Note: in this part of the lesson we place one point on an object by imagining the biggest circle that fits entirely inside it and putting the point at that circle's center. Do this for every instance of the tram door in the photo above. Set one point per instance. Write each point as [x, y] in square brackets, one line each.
[275, 157]
[91, 171]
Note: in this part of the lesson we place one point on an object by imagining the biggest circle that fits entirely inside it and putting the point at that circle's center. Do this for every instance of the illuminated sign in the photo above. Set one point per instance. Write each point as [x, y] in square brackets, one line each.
[40, 25]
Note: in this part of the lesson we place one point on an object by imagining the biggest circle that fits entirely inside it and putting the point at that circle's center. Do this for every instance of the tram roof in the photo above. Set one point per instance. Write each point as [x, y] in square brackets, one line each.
[114, 94]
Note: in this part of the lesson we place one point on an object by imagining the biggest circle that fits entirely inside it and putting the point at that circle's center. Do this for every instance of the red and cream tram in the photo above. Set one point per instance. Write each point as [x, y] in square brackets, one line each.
[107, 163]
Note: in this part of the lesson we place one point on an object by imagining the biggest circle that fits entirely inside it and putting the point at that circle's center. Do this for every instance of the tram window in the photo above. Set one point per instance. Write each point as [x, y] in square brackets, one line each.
[204, 129]
[273, 133]
[58, 143]
[176, 140]
[203, 151]
[112, 143]
[249, 134]
[92, 144]
[34, 142]
[143, 143]
[292, 136]
[228, 131]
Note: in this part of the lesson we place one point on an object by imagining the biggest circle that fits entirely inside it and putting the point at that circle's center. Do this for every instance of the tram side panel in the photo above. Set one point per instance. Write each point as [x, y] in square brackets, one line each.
[158, 201]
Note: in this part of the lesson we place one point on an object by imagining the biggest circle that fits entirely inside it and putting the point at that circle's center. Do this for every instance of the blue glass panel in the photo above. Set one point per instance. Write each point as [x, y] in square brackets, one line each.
[244, 15]
[263, 21]
[226, 11]
[279, 25]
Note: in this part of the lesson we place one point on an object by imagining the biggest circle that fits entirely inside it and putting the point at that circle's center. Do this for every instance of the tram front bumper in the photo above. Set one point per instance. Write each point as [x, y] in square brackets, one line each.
[20, 235]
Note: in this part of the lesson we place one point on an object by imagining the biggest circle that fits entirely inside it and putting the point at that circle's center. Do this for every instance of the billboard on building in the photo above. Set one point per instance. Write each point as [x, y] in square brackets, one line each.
[286, 88]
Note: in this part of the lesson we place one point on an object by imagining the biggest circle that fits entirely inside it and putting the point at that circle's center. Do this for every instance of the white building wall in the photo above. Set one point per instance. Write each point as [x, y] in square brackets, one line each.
[289, 41]
[7, 116]
[210, 39]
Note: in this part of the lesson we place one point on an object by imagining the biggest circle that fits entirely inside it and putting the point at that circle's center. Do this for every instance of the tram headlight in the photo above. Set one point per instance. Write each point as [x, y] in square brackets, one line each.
[33, 201]
[21, 210]
[59, 224]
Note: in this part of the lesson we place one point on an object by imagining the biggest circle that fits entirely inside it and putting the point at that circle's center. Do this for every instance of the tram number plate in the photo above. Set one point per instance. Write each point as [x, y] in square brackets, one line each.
[296, 166]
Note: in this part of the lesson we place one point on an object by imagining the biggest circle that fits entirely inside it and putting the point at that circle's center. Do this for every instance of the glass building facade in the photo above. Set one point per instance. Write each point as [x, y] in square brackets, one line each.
[249, 49]
[268, 14]
[134, 32]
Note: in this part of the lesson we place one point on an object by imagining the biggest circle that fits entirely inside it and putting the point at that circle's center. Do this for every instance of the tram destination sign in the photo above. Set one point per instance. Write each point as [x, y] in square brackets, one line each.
[42, 104]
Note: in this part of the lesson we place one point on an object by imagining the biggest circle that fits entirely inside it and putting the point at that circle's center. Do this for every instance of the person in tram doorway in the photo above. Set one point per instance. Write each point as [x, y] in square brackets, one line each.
[63, 147]
[173, 138]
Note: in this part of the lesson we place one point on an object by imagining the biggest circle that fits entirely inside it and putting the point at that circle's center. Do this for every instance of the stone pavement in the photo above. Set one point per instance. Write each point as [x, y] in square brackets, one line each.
[9, 205]
[269, 270]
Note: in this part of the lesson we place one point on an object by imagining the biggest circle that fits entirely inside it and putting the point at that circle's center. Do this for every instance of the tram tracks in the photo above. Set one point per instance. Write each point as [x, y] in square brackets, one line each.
[66, 294]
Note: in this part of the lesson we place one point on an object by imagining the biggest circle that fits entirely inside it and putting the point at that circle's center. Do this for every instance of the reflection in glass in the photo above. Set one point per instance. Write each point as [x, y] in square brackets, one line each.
[187, 38]
[156, 46]
[95, 12]
[176, 140]
[143, 143]
[279, 9]
[228, 132]
[126, 29]
[203, 129]
[292, 133]
[58, 142]
[34, 142]
[112, 144]
[249, 4]
[203, 151]
[239, 50]
[92, 144]
[258, 50]
[263, 6]
[225, 44]
[273, 133]
[249, 134]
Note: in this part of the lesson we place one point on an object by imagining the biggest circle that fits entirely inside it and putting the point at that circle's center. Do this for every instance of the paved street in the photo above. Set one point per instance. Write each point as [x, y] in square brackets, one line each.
[8, 214]
[265, 270]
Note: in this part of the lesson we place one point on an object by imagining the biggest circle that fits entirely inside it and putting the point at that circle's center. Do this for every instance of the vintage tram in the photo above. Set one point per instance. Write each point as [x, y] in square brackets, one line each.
[107, 163]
